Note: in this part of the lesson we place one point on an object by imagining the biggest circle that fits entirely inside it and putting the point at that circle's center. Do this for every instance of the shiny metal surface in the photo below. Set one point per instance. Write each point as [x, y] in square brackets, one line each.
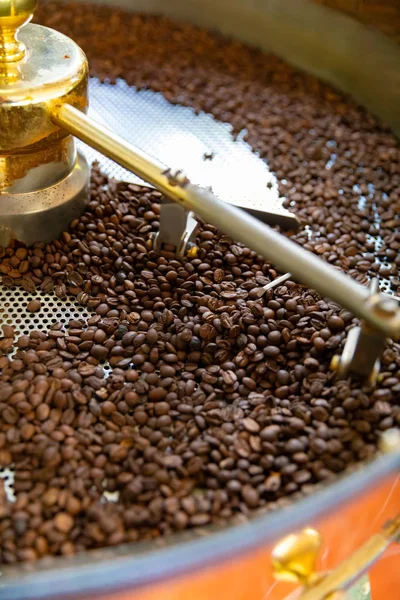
[177, 229]
[287, 255]
[13, 302]
[55, 69]
[72, 121]
[38, 169]
[356, 59]
[181, 139]
[38, 68]
[357, 564]
[13, 15]
[363, 347]
[294, 559]
[44, 214]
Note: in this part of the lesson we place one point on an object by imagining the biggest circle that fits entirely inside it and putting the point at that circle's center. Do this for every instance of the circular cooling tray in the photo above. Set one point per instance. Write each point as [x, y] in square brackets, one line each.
[205, 149]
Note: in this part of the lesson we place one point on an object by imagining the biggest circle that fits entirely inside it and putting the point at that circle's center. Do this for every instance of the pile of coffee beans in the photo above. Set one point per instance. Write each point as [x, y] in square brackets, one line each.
[217, 403]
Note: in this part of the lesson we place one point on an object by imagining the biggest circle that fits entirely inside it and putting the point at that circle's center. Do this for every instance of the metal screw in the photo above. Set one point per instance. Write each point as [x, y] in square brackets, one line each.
[335, 362]
[390, 441]
[388, 307]
[176, 178]
[192, 250]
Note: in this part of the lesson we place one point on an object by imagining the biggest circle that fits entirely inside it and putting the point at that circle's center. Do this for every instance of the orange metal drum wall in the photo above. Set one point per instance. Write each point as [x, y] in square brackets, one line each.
[251, 577]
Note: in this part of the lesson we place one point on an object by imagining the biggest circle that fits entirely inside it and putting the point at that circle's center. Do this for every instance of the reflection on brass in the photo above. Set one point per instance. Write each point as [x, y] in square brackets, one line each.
[38, 160]
[193, 252]
[54, 70]
[382, 14]
[294, 560]
[44, 214]
[30, 171]
[390, 441]
[352, 568]
[13, 15]
[294, 557]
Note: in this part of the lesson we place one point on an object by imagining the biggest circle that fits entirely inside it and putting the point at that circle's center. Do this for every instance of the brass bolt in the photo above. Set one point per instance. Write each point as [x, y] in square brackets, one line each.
[335, 362]
[390, 441]
[294, 557]
[383, 306]
[150, 242]
[192, 252]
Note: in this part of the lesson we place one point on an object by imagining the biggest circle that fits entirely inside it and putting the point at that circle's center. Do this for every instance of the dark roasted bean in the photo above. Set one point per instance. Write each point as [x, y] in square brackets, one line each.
[33, 306]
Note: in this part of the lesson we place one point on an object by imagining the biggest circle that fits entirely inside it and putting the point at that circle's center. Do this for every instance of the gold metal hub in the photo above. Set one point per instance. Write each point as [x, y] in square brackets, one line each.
[39, 70]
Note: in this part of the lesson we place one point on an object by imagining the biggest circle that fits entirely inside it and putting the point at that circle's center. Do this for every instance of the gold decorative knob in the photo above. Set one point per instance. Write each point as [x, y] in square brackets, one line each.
[294, 558]
[14, 14]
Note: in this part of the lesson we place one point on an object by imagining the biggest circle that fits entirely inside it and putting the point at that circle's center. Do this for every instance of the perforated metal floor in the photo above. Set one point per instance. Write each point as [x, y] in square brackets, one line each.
[176, 136]
[13, 311]
[181, 139]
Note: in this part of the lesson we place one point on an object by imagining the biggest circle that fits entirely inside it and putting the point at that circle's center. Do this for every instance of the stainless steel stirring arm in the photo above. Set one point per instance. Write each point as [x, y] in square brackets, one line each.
[377, 311]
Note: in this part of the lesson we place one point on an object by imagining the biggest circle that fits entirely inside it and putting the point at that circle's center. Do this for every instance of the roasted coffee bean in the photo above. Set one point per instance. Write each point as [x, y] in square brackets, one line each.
[8, 331]
[60, 290]
[75, 279]
[251, 425]
[28, 284]
[99, 352]
[250, 496]
[33, 306]
[63, 522]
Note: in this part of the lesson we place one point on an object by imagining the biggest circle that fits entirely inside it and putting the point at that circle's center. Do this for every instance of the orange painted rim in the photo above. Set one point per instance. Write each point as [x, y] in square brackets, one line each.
[137, 566]
[251, 577]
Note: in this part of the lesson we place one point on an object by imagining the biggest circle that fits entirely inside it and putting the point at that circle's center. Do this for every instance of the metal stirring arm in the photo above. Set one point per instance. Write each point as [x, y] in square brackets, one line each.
[379, 312]
[364, 345]
[177, 229]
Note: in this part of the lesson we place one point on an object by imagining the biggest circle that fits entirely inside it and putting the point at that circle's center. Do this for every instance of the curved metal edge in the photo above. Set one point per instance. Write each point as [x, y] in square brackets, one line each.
[356, 59]
[43, 215]
[87, 576]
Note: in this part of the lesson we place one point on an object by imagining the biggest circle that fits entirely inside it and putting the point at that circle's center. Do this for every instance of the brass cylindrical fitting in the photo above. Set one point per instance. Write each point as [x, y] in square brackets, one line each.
[39, 70]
